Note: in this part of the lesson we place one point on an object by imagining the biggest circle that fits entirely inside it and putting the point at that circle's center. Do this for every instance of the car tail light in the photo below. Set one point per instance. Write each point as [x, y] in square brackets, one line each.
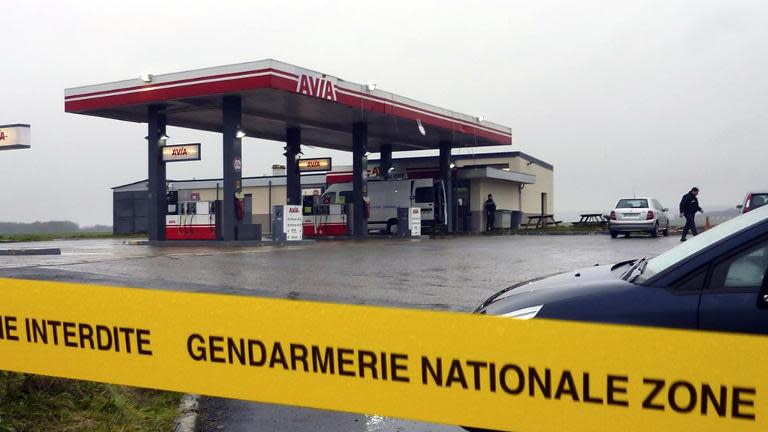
[748, 203]
[649, 216]
[613, 215]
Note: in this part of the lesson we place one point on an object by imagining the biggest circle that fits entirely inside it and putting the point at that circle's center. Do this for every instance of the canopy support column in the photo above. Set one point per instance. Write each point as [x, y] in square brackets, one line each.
[158, 204]
[385, 161]
[293, 177]
[445, 176]
[233, 164]
[359, 174]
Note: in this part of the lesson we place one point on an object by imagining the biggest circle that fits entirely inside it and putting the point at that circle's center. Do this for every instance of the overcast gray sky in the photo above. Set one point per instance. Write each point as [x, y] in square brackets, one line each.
[645, 97]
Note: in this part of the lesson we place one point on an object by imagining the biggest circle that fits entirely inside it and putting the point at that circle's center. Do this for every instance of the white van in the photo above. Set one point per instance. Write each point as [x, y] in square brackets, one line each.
[385, 196]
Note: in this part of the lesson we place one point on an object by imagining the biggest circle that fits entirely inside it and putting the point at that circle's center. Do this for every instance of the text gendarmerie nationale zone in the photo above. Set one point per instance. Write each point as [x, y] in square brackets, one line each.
[677, 396]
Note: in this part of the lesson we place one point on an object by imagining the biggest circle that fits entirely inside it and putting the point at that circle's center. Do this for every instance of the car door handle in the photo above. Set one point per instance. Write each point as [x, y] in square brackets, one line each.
[762, 301]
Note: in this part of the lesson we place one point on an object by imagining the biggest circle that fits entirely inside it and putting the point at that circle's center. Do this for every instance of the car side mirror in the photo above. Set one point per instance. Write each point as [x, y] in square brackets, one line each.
[665, 209]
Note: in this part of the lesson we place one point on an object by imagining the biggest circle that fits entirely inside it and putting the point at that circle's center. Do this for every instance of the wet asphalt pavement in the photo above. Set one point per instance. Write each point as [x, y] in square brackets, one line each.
[447, 274]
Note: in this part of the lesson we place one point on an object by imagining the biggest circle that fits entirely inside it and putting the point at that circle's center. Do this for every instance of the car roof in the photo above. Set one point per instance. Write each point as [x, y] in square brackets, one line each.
[725, 244]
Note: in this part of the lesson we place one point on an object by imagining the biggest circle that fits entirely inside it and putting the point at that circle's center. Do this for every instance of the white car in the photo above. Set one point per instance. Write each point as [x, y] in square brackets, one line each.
[645, 215]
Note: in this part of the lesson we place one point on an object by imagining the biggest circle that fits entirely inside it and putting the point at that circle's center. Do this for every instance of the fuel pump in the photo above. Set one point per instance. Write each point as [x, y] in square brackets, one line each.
[191, 220]
[172, 198]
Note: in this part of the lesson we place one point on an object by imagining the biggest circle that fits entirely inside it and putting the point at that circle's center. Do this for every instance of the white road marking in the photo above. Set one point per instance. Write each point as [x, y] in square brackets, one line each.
[87, 253]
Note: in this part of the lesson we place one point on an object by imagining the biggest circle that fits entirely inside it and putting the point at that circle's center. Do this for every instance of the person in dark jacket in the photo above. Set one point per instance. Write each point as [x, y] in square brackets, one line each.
[490, 213]
[689, 206]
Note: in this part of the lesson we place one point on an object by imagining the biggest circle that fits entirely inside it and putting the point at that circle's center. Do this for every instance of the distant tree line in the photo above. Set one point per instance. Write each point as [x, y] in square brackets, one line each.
[50, 227]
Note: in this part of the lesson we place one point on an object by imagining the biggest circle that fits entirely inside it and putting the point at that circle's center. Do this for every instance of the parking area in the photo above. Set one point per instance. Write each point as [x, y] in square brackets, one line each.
[445, 274]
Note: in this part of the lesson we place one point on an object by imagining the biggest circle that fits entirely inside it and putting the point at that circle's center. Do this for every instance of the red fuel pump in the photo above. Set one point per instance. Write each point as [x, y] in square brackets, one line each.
[192, 220]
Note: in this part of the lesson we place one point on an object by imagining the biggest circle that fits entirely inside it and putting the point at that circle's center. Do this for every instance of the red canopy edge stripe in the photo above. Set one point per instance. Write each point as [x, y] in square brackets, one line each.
[278, 72]
[162, 92]
[427, 119]
[369, 102]
[146, 87]
[167, 94]
[245, 74]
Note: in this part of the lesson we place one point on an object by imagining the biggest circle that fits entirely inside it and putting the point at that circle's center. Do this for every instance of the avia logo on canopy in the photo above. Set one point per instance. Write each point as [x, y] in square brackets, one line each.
[320, 87]
[2, 135]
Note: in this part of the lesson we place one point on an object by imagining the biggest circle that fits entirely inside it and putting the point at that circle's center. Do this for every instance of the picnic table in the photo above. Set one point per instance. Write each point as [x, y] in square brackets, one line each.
[591, 219]
[541, 221]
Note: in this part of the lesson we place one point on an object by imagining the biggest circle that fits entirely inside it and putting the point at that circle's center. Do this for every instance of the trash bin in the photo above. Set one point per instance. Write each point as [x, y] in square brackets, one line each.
[516, 219]
[503, 219]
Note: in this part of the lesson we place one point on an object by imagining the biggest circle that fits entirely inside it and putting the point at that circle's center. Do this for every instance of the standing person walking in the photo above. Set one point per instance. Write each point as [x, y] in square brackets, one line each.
[490, 213]
[689, 206]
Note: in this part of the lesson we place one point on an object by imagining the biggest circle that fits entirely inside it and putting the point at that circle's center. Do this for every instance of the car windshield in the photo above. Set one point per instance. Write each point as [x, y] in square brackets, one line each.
[633, 203]
[693, 246]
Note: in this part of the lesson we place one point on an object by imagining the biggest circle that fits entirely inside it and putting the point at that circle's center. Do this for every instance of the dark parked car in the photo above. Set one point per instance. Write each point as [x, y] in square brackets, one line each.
[715, 281]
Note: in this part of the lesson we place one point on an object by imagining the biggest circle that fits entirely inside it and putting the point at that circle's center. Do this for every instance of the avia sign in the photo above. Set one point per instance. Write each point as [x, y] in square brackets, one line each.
[15, 136]
[319, 164]
[320, 87]
[181, 152]
[293, 223]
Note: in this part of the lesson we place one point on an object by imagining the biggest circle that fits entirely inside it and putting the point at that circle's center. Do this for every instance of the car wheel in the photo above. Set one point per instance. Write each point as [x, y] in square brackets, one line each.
[665, 233]
[655, 232]
[392, 228]
[614, 234]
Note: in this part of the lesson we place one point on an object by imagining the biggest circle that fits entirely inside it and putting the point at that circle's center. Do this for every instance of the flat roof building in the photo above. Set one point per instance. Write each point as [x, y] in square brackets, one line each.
[518, 182]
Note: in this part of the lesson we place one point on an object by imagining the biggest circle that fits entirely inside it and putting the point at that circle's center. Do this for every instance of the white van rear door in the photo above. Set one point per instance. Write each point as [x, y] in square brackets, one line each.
[424, 197]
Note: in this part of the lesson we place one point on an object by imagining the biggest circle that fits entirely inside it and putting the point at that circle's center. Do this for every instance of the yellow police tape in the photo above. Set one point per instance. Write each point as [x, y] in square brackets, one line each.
[444, 367]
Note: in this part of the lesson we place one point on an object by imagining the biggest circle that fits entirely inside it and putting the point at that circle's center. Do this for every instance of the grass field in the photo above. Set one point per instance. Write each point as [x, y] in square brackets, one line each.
[32, 403]
[62, 236]
[564, 229]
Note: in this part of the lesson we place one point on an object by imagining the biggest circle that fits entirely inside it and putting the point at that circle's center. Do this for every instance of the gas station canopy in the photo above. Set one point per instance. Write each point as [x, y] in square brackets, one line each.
[276, 96]
[281, 102]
